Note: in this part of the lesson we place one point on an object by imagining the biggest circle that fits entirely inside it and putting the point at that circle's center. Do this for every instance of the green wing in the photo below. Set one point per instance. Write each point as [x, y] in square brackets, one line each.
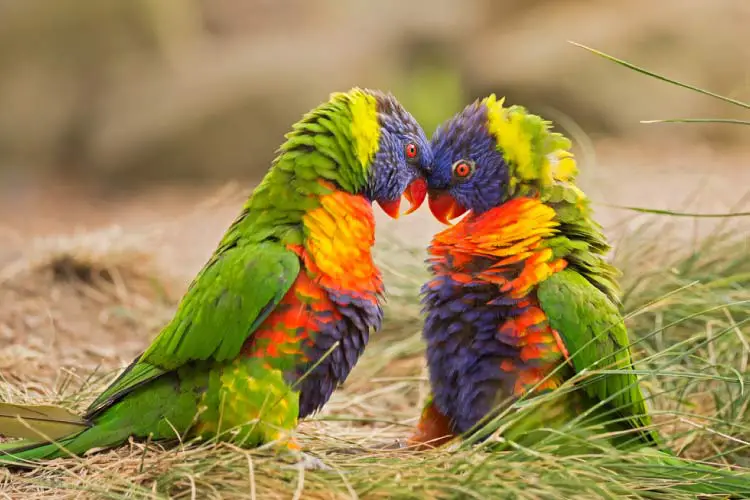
[236, 290]
[595, 336]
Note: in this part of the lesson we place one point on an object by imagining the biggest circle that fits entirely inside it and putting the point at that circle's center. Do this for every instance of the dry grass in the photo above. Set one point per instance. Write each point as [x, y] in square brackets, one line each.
[74, 305]
[73, 310]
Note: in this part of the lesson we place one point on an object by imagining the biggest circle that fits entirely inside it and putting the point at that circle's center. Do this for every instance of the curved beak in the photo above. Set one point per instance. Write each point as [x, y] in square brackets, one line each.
[444, 207]
[415, 194]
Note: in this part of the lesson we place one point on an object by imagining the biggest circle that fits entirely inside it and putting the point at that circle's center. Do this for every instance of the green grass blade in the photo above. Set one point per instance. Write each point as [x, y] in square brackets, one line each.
[675, 213]
[662, 77]
[731, 121]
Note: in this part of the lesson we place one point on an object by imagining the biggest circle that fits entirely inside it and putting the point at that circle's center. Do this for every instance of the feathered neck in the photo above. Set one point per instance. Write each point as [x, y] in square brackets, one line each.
[543, 168]
[527, 227]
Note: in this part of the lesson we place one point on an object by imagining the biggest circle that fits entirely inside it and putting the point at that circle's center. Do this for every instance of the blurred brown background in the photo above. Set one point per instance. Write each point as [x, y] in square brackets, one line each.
[136, 113]
[130, 97]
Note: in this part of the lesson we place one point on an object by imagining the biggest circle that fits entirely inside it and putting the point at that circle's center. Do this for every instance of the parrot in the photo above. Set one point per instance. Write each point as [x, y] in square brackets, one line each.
[520, 297]
[281, 311]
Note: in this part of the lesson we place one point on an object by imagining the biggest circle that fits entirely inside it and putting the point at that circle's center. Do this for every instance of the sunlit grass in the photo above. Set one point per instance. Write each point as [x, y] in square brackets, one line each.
[687, 314]
[687, 307]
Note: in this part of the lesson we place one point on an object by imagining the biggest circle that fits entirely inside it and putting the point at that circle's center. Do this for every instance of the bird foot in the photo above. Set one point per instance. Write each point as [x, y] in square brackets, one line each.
[306, 461]
[309, 462]
[397, 444]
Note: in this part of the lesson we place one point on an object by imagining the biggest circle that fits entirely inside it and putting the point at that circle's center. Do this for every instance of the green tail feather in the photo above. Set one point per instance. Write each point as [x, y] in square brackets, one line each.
[39, 421]
[162, 411]
[24, 453]
[110, 429]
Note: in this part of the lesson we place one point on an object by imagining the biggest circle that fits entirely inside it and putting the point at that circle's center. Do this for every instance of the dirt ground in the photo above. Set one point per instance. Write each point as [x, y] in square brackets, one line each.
[144, 249]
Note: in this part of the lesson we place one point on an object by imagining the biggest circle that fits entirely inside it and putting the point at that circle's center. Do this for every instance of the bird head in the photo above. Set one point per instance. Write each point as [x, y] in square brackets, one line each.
[392, 149]
[487, 154]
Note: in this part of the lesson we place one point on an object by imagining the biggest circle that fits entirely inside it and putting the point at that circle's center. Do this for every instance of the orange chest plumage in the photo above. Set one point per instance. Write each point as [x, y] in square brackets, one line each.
[333, 305]
[339, 236]
[487, 337]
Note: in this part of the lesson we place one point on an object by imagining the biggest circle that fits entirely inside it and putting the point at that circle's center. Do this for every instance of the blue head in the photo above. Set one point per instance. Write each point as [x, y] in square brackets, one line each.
[468, 171]
[401, 158]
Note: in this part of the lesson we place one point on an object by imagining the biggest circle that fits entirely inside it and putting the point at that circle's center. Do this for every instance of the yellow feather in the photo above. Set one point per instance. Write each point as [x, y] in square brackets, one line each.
[545, 254]
[565, 168]
[510, 136]
[365, 126]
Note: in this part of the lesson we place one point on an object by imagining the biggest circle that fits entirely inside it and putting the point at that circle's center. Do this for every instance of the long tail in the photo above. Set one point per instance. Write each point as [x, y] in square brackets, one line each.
[684, 475]
[38, 421]
[24, 453]
[52, 432]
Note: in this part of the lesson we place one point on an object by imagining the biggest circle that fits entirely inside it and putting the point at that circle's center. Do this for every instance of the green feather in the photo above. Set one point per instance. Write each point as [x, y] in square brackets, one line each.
[593, 331]
[181, 382]
[241, 286]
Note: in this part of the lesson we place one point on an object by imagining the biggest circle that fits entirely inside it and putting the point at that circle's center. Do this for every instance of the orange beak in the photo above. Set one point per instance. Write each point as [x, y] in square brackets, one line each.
[415, 194]
[444, 207]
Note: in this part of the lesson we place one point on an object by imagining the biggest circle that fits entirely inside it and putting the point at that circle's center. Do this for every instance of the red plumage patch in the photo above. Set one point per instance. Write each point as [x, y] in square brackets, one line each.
[298, 314]
[433, 429]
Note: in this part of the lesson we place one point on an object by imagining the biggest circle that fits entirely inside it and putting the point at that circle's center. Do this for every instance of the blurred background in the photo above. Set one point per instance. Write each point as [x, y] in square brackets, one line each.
[147, 105]
[132, 130]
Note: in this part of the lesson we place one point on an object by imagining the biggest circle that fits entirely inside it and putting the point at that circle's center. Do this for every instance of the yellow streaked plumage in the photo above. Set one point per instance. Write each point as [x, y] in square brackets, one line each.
[365, 127]
[534, 153]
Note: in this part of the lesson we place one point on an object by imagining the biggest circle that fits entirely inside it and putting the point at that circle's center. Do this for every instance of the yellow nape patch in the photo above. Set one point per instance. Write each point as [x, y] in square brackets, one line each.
[529, 146]
[508, 130]
[365, 126]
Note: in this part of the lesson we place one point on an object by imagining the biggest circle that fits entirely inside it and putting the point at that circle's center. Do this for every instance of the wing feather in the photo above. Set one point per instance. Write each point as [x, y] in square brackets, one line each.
[595, 336]
[233, 294]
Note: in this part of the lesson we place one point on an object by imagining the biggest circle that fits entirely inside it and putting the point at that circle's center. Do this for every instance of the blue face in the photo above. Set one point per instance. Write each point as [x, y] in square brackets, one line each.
[402, 157]
[466, 164]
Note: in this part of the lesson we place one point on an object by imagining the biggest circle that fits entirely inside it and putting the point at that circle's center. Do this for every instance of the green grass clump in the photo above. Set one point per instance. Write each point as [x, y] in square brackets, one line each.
[687, 308]
[687, 313]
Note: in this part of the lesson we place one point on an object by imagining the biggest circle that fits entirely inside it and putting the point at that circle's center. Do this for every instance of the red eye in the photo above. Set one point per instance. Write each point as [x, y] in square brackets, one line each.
[463, 169]
[411, 151]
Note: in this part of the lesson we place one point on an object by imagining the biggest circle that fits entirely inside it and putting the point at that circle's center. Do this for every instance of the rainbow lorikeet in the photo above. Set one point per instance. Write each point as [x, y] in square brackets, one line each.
[521, 298]
[282, 310]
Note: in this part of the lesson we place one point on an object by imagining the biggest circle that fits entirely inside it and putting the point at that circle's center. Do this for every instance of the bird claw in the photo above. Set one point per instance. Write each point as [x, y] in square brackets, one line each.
[308, 462]
[395, 445]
